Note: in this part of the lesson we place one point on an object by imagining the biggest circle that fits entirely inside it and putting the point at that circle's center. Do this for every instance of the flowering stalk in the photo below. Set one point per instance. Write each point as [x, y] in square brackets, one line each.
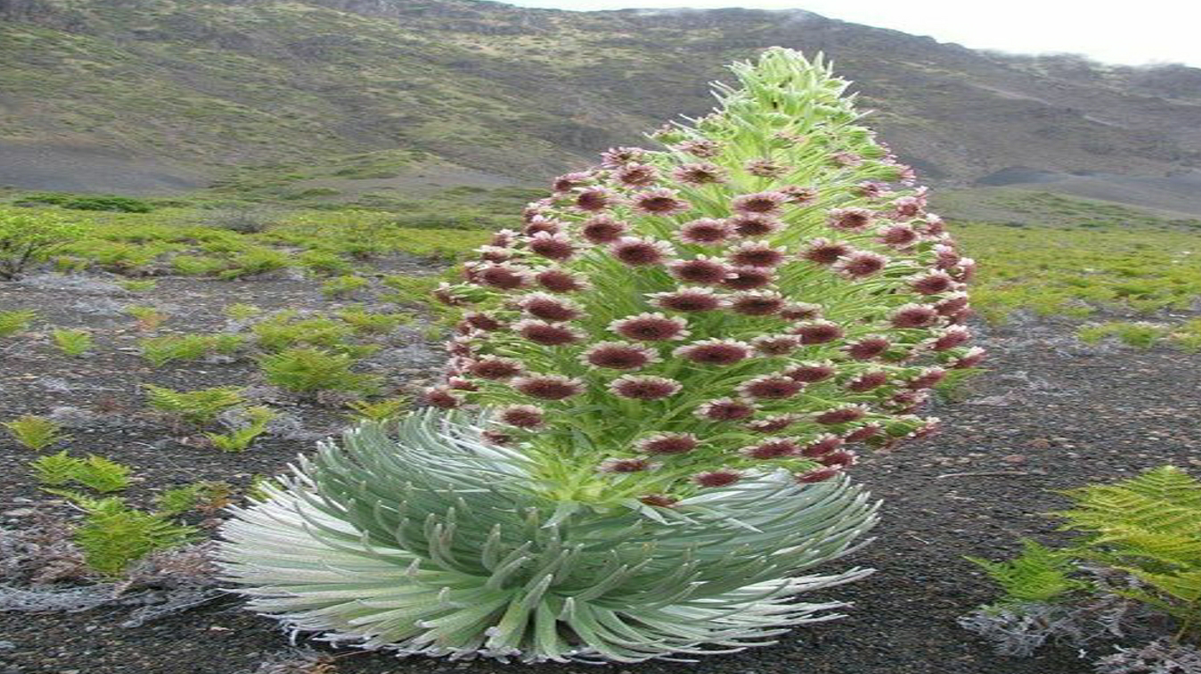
[768, 292]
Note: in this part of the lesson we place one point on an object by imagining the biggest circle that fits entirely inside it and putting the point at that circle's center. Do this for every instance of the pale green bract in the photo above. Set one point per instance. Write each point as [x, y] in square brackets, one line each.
[422, 538]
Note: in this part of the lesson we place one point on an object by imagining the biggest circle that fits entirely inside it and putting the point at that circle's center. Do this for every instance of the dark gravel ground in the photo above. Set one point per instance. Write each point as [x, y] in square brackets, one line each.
[1051, 414]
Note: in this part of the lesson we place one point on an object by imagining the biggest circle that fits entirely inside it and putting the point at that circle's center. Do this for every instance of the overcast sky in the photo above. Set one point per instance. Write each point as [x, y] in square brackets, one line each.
[1149, 31]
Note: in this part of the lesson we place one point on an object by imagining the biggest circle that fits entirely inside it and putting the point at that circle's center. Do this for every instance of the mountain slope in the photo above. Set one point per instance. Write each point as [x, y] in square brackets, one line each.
[160, 95]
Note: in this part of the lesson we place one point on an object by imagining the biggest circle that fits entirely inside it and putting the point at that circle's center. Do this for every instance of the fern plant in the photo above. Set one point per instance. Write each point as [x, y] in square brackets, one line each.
[73, 342]
[241, 438]
[387, 409]
[35, 432]
[308, 370]
[95, 472]
[113, 534]
[16, 321]
[1147, 528]
[198, 407]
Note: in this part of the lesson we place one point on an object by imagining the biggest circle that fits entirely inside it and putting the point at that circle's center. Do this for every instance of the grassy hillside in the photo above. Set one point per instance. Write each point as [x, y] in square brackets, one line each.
[165, 95]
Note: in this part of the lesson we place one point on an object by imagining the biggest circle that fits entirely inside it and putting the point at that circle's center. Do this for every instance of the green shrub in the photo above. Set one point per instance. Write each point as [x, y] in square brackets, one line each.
[195, 265]
[1138, 335]
[16, 321]
[73, 342]
[28, 238]
[139, 286]
[255, 261]
[378, 410]
[309, 370]
[168, 348]
[343, 286]
[207, 497]
[113, 535]
[95, 472]
[1143, 535]
[285, 330]
[324, 262]
[148, 318]
[198, 407]
[366, 322]
[240, 439]
[34, 432]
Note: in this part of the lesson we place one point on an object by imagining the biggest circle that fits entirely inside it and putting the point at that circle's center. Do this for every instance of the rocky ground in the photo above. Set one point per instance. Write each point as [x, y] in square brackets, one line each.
[1049, 414]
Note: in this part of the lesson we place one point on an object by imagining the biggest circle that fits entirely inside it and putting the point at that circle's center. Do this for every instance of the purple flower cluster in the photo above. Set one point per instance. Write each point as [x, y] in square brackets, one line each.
[690, 315]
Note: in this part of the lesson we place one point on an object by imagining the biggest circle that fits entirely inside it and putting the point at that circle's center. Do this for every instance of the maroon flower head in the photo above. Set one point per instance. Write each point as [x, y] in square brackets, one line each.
[825, 251]
[504, 277]
[691, 299]
[700, 148]
[595, 199]
[717, 478]
[969, 359]
[748, 278]
[768, 203]
[928, 378]
[441, 396]
[772, 424]
[952, 305]
[799, 195]
[640, 252]
[660, 201]
[771, 448]
[932, 283]
[548, 386]
[843, 458]
[650, 327]
[494, 254]
[547, 334]
[950, 338]
[603, 229]
[495, 367]
[846, 159]
[503, 238]
[776, 345]
[757, 302]
[800, 311]
[540, 224]
[849, 219]
[765, 168]
[946, 256]
[560, 281]
[868, 381]
[550, 308]
[913, 316]
[750, 254]
[462, 384]
[552, 246]
[659, 500]
[817, 332]
[898, 236]
[618, 356]
[860, 264]
[755, 224]
[714, 352]
[841, 415]
[498, 438]
[668, 443]
[616, 157]
[522, 416]
[811, 372]
[863, 432]
[636, 175]
[644, 387]
[770, 387]
[702, 270]
[868, 347]
[909, 206]
[624, 465]
[822, 444]
[871, 190]
[569, 181]
[706, 231]
[704, 173]
[725, 409]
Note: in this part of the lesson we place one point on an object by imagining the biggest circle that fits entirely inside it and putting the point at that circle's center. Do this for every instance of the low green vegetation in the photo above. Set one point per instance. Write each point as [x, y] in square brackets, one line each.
[73, 342]
[15, 321]
[35, 432]
[311, 370]
[1136, 541]
[198, 407]
[95, 472]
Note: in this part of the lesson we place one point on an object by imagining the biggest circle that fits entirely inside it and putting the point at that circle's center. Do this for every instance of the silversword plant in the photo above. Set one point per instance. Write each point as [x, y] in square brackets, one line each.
[673, 363]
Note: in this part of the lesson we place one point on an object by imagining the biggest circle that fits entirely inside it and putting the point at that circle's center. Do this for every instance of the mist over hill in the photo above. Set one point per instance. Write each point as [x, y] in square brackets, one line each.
[161, 96]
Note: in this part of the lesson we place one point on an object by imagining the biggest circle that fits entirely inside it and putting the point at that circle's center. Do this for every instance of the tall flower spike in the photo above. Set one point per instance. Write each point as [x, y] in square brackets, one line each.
[771, 263]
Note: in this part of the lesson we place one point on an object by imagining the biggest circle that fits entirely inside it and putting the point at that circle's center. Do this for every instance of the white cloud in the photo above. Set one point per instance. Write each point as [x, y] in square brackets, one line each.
[1151, 31]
